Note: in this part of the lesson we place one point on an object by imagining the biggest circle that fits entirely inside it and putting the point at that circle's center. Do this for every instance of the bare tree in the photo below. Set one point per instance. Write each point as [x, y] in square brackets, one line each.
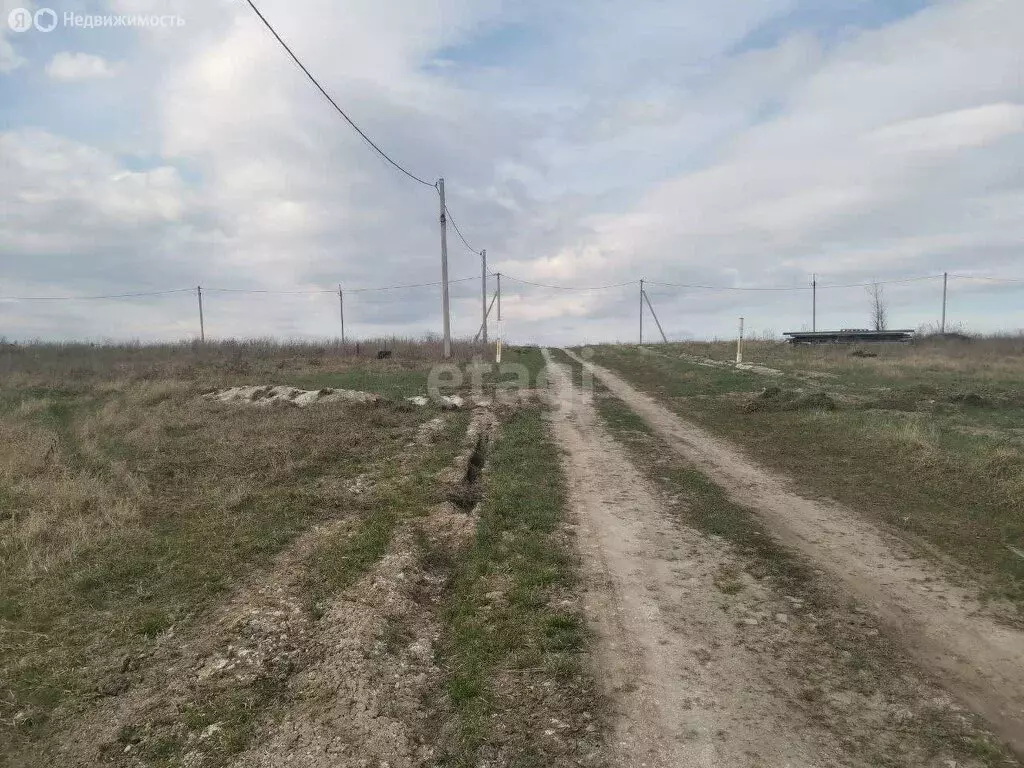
[879, 307]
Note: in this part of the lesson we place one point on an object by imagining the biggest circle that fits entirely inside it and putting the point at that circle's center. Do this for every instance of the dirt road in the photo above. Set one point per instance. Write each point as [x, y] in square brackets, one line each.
[684, 694]
[979, 660]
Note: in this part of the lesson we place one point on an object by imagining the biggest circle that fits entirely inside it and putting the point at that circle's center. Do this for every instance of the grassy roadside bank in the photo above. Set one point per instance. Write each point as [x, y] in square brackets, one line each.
[514, 638]
[933, 447]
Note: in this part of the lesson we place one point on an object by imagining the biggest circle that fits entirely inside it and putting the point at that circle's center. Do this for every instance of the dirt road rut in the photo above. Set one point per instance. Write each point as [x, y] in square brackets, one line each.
[680, 699]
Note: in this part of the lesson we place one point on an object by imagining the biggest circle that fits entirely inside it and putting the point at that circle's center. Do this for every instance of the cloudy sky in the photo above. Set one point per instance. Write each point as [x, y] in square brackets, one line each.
[694, 142]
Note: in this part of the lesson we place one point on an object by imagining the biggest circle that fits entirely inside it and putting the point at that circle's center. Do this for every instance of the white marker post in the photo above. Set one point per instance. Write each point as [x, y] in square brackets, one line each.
[739, 345]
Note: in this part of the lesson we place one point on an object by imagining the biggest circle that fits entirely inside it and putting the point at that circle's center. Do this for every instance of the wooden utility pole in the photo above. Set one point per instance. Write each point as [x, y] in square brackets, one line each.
[202, 324]
[483, 289]
[444, 273]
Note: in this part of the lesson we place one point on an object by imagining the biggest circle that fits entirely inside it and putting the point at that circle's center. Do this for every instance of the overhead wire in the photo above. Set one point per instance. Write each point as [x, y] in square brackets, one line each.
[458, 231]
[315, 291]
[989, 279]
[311, 292]
[507, 276]
[792, 287]
[352, 123]
[333, 103]
[564, 287]
[94, 298]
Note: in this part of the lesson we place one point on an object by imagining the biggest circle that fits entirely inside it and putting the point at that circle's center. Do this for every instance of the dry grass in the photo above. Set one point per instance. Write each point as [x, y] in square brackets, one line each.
[132, 510]
[130, 506]
[982, 358]
[74, 368]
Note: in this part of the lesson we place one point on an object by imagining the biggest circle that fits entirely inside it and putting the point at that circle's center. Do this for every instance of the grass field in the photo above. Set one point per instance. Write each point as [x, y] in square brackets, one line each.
[187, 579]
[132, 512]
[928, 438]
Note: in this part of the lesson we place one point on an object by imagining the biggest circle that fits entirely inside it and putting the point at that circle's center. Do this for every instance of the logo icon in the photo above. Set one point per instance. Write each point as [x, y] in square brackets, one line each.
[46, 19]
[20, 20]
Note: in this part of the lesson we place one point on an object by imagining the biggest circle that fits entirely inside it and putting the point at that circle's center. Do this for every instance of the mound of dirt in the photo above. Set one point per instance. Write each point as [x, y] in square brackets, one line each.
[271, 395]
[447, 402]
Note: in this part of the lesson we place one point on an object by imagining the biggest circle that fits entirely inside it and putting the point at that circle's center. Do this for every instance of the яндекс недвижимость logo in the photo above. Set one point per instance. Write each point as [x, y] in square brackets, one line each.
[22, 20]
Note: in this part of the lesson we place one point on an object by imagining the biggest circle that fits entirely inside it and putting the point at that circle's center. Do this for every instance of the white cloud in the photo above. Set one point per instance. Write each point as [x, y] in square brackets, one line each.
[74, 67]
[9, 58]
[950, 131]
[63, 198]
[837, 169]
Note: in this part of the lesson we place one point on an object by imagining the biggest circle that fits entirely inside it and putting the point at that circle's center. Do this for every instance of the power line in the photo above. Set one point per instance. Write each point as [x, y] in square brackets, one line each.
[94, 298]
[794, 287]
[989, 279]
[316, 291]
[333, 103]
[882, 282]
[403, 286]
[459, 232]
[410, 285]
[233, 290]
[566, 287]
[730, 287]
[276, 293]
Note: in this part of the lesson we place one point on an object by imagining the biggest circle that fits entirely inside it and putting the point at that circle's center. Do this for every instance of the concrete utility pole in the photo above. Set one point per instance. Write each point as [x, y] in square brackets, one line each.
[814, 303]
[483, 288]
[341, 309]
[501, 338]
[739, 344]
[945, 281]
[444, 273]
[641, 310]
[654, 315]
[656, 320]
[490, 306]
[202, 324]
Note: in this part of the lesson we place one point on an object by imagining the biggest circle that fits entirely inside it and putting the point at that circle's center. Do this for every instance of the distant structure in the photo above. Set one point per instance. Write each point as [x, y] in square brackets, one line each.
[848, 336]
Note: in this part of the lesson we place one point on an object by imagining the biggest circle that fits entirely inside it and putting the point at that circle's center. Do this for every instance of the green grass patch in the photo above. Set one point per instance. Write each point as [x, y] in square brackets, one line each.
[516, 654]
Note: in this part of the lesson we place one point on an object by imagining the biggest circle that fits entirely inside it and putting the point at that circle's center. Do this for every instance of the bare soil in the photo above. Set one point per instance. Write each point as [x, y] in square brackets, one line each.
[942, 625]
